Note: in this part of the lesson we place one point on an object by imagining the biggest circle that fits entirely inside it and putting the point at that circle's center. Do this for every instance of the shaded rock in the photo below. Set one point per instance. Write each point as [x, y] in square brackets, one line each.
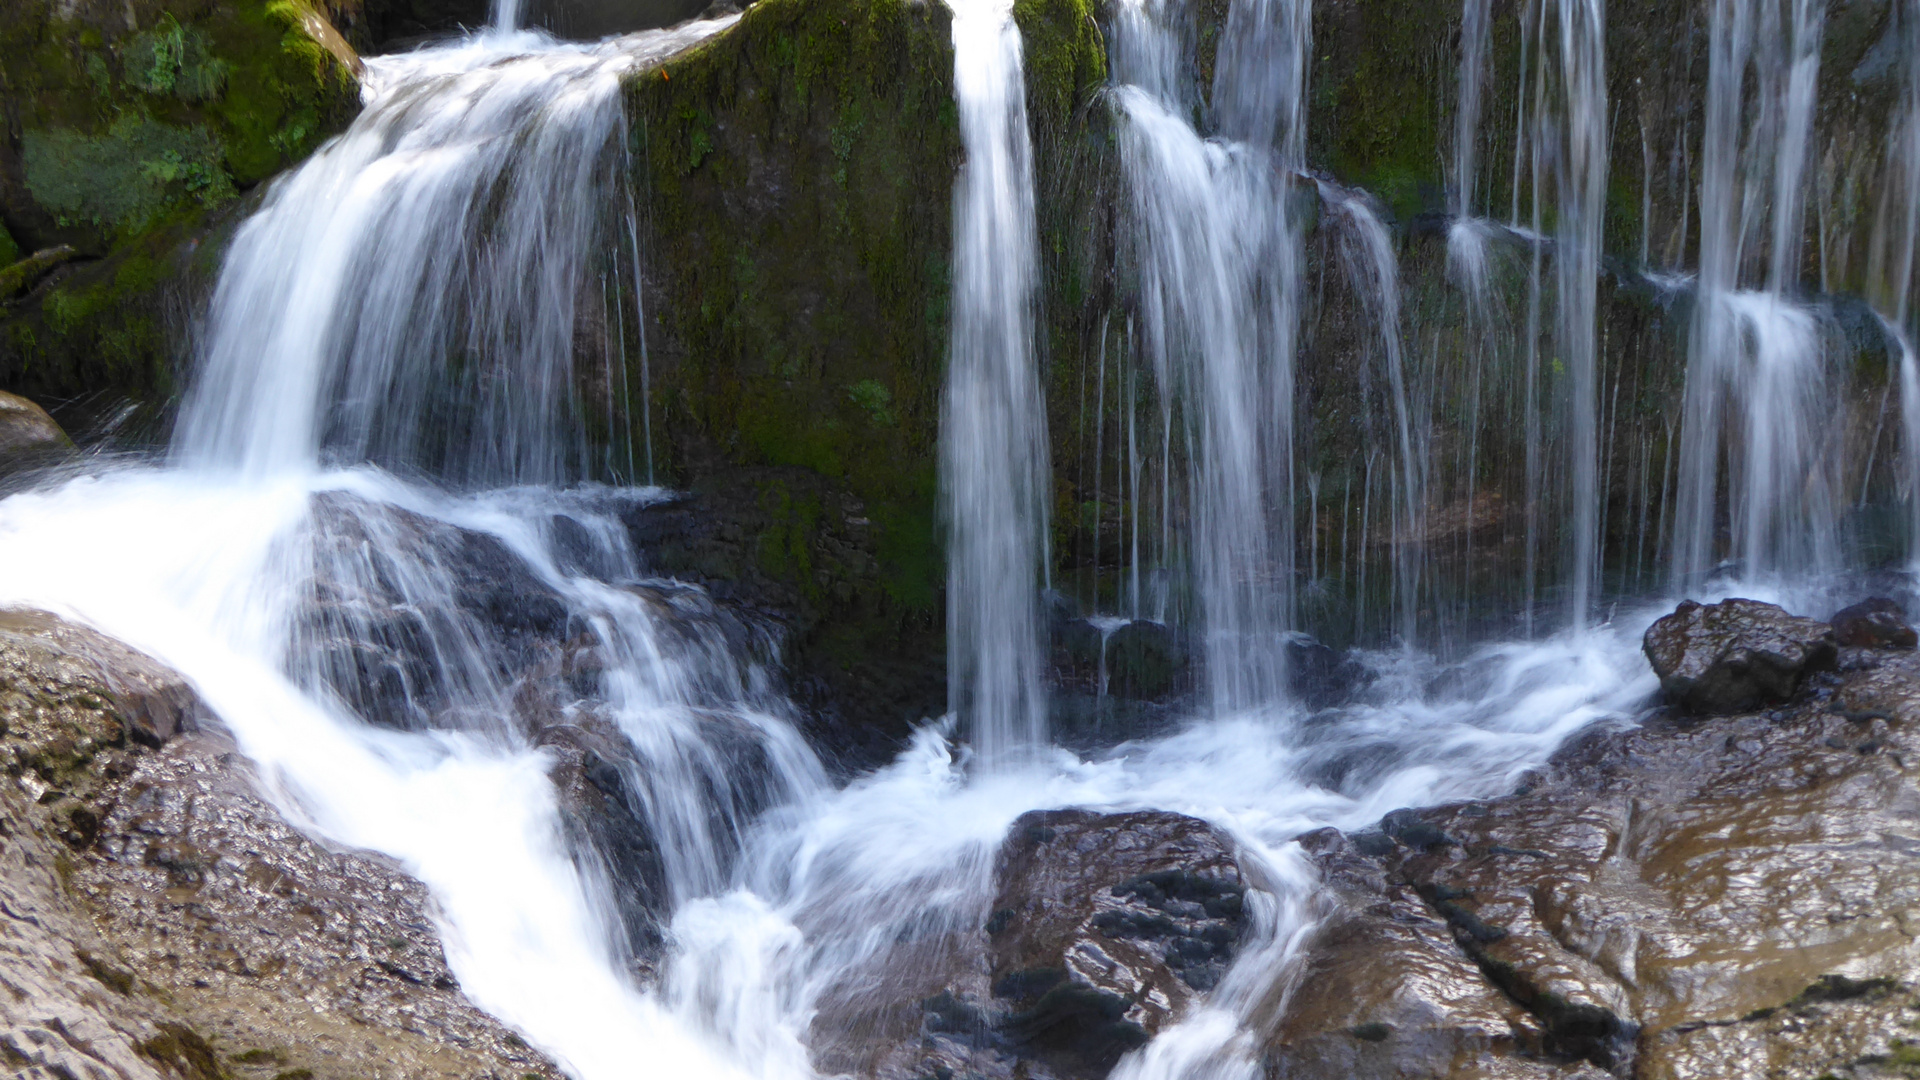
[162, 920]
[1105, 928]
[1319, 677]
[28, 436]
[1101, 930]
[1876, 623]
[1719, 899]
[1735, 655]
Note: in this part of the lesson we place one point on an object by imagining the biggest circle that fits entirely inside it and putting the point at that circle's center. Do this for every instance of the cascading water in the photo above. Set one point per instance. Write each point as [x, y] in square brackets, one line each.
[993, 427]
[407, 659]
[1219, 260]
[1754, 369]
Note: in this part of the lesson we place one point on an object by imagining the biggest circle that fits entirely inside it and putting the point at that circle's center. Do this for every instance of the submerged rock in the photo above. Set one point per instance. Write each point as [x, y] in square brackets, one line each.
[163, 921]
[1735, 655]
[1724, 899]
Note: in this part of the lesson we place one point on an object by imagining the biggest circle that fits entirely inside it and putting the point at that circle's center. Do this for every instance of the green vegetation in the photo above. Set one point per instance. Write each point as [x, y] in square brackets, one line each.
[135, 142]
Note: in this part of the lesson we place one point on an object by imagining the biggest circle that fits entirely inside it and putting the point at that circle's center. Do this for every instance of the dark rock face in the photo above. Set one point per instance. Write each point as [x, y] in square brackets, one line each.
[163, 921]
[1735, 655]
[1712, 900]
[1103, 929]
[1876, 623]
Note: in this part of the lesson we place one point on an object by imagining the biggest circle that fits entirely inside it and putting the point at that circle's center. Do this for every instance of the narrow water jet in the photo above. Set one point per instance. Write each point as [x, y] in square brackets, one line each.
[993, 447]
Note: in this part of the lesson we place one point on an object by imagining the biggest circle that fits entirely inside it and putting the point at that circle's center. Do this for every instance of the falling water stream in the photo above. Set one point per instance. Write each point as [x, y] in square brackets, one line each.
[352, 483]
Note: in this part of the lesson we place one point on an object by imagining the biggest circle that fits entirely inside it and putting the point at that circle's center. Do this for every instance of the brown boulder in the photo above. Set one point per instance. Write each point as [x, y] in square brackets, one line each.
[1106, 927]
[1875, 623]
[1736, 655]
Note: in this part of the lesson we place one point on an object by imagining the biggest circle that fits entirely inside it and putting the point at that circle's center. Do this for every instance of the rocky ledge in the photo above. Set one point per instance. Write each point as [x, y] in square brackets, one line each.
[158, 919]
[1717, 893]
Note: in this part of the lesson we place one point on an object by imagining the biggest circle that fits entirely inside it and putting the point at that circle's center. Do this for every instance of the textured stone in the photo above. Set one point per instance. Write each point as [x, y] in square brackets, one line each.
[1735, 655]
[1106, 927]
[1876, 623]
[158, 918]
[1729, 898]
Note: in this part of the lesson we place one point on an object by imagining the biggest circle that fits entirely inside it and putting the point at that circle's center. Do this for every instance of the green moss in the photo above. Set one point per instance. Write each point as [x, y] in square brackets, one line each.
[798, 171]
[128, 177]
[10, 252]
[176, 60]
[1064, 57]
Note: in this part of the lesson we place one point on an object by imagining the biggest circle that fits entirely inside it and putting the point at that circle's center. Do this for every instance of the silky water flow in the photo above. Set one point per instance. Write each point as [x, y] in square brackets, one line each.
[325, 549]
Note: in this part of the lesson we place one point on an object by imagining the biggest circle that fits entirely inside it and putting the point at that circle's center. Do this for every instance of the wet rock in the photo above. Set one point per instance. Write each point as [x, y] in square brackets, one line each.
[1735, 655]
[1727, 898]
[1101, 930]
[1876, 623]
[1105, 928]
[28, 436]
[1387, 992]
[163, 920]
[1318, 677]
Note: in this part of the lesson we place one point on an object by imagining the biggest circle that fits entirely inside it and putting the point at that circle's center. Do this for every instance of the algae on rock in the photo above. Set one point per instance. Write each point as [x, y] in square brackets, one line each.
[134, 128]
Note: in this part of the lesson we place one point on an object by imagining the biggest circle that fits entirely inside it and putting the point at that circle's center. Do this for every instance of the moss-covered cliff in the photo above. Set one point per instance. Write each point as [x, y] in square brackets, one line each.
[130, 130]
[795, 178]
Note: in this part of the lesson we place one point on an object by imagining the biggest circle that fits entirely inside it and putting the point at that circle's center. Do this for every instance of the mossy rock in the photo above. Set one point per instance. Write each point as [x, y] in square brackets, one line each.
[135, 131]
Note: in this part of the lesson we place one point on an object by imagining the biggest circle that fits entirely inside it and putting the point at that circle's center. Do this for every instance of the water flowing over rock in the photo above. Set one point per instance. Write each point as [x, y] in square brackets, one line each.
[1736, 655]
[163, 920]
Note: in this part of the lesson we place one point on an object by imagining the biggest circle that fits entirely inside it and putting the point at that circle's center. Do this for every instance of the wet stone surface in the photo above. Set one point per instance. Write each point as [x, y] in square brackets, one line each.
[1692, 899]
[1736, 655]
[158, 918]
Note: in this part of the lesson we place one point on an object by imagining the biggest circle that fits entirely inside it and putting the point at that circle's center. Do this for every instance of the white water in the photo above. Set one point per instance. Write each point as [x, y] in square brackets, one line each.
[786, 903]
[1755, 386]
[1219, 259]
[993, 457]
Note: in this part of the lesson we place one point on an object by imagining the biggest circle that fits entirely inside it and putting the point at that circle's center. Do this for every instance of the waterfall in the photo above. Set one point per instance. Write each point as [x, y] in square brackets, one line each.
[404, 579]
[1219, 256]
[1367, 253]
[1581, 181]
[993, 449]
[1755, 367]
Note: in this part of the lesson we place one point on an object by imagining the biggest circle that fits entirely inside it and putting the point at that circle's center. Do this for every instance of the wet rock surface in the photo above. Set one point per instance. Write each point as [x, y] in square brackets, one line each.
[158, 918]
[28, 436]
[1103, 930]
[1722, 898]
[1105, 927]
[1735, 655]
[1876, 623]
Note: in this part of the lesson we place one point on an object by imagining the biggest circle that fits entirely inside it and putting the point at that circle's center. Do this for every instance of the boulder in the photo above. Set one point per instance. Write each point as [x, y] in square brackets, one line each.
[28, 436]
[1875, 623]
[1101, 930]
[1736, 655]
[1721, 899]
[1106, 927]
